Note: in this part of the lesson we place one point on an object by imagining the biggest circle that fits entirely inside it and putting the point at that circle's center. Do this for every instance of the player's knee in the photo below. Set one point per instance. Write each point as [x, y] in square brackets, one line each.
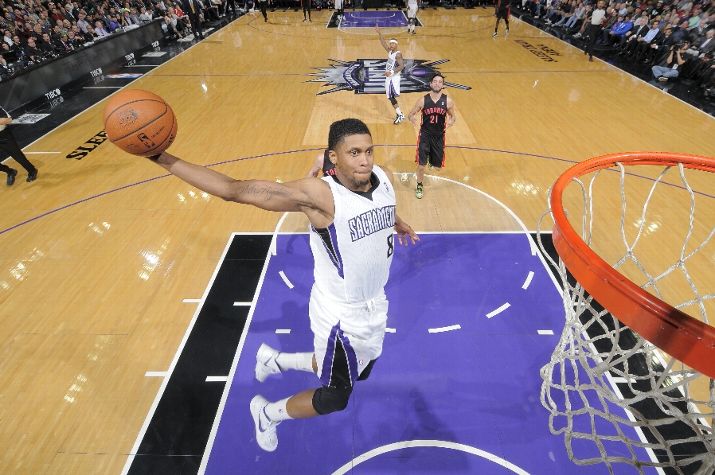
[393, 100]
[327, 399]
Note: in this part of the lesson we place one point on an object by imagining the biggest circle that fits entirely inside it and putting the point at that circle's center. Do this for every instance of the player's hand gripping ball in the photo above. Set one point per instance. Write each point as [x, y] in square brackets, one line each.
[139, 122]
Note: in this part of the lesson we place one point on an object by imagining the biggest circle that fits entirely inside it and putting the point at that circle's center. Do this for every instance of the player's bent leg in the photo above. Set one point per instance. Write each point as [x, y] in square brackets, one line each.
[271, 361]
[329, 399]
[266, 362]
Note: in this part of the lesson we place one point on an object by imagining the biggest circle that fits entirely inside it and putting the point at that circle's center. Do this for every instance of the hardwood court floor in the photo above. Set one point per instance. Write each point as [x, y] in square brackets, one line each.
[99, 253]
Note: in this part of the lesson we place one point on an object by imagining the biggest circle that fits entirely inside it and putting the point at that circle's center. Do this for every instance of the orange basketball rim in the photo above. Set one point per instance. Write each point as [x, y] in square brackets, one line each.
[686, 338]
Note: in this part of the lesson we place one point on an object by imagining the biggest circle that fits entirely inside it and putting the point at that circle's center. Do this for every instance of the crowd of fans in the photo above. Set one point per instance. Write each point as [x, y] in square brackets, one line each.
[35, 31]
[674, 38]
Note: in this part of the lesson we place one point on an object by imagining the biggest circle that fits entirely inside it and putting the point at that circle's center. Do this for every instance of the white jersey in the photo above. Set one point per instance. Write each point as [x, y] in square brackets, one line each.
[353, 255]
[391, 61]
[412, 6]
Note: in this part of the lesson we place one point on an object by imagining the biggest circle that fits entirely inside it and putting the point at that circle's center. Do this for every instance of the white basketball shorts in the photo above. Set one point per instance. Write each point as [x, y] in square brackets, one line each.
[392, 85]
[346, 337]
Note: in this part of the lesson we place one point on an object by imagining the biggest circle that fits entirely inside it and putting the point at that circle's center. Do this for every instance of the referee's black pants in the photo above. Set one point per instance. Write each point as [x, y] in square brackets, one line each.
[593, 32]
[9, 146]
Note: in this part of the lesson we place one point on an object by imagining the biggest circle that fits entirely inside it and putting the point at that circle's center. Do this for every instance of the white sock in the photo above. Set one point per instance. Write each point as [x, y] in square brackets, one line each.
[275, 412]
[399, 112]
[297, 361]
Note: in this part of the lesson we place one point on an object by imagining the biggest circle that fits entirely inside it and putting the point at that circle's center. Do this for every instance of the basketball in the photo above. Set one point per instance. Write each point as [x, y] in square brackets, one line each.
[139, 122]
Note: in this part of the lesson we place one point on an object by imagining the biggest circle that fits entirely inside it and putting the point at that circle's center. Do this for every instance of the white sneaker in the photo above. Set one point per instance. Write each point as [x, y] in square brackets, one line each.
[266, 362]
[266, 434]
[398, 118]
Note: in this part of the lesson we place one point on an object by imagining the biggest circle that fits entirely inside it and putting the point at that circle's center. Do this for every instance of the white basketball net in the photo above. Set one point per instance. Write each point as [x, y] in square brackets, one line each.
[615, 397]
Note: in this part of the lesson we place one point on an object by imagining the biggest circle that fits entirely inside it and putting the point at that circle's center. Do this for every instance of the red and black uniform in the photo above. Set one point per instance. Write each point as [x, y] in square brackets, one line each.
[430, 145]
[503, 9]
[328, 166]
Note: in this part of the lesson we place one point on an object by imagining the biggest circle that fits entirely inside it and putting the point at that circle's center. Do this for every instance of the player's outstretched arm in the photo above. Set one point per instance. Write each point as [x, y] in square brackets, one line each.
[382, 38]
[307, 195]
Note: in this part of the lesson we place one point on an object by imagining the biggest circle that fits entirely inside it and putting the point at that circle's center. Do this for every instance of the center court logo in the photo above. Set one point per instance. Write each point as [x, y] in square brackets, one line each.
[367, 76]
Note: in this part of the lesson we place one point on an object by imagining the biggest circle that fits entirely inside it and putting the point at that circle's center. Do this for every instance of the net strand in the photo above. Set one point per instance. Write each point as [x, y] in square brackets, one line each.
[615, 397]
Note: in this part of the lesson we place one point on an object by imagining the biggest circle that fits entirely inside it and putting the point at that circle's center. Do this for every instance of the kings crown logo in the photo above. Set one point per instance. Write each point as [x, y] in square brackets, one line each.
[367, 76]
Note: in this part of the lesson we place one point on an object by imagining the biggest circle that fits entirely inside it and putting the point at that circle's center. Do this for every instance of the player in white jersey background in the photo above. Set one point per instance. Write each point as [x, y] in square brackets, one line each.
[353, 219]
[412, 7]
[393, 68]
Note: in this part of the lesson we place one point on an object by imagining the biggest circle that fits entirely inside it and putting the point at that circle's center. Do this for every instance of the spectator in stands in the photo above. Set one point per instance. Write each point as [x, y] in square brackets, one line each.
[657, 10]
[82, 23]
[5, 70]
[619, 30]
[584, 23]
[47, 47]
[99, 30]
[112, 24]
[161, 6]
[62, 29]
[637, 45]
[173, 25]
[694, 19]
[133, 16]
[37, 31]
[707, 44]
[73, 41]
[91, 34]
[656, 48]
[63, 11]
[81, 36]
[144, 15]
[681, 33]
[610, 20]
[558, 15]
[63, 45]
[579, 14]
[44, 21]
[669, 68]
[704, 73]
[32, 52]
[17, 46]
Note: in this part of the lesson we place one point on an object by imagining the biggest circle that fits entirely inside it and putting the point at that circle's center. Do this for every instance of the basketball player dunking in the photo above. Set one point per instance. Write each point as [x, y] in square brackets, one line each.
[353, 219]
[394, 67]
[435, 107]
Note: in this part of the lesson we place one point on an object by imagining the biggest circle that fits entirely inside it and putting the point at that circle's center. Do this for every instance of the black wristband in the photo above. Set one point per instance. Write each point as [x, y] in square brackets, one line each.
[154, 158]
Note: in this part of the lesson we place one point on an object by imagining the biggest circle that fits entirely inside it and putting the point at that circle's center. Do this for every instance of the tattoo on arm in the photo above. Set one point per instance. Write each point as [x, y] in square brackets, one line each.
[260, 192]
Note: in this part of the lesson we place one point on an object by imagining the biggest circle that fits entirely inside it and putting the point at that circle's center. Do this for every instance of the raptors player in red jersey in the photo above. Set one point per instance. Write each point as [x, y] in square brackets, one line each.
[438, 114]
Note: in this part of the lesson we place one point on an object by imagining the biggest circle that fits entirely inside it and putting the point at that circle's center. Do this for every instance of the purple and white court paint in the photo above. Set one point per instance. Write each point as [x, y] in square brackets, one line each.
[454, 391]
[383, 19]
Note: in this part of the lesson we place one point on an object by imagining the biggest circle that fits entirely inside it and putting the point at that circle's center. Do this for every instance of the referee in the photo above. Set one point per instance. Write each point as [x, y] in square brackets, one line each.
[9, 146]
